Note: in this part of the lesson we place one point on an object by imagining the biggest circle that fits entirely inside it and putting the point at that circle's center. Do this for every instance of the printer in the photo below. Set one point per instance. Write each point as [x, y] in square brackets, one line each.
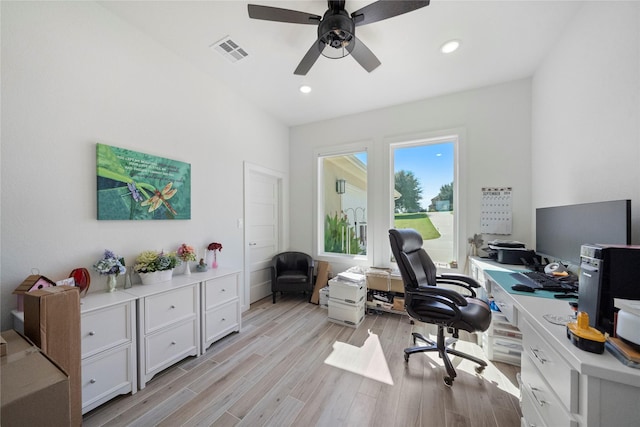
[510, 252]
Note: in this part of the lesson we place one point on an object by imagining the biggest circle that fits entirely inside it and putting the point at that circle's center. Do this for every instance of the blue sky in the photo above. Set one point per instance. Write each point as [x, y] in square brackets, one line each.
[431, 164]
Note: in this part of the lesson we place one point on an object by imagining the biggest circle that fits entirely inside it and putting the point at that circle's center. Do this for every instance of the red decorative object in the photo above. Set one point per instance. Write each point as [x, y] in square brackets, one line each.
[82, 279]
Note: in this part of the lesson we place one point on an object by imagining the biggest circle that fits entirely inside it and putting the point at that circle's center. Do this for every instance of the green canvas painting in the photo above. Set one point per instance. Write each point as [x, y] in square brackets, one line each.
[138, 186]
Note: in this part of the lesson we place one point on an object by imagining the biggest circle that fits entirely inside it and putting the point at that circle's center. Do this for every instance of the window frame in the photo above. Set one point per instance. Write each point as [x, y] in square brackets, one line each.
[319, 206]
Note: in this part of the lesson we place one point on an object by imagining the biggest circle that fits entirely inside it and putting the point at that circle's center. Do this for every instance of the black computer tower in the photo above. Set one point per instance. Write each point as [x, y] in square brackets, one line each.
[607, 272]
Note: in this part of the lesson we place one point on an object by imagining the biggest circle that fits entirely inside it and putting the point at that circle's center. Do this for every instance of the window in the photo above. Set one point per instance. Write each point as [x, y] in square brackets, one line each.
[425, 195]
[343, 204]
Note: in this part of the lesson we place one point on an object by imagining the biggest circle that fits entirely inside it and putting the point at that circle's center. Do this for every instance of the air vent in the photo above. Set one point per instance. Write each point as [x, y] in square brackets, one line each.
[229, 49]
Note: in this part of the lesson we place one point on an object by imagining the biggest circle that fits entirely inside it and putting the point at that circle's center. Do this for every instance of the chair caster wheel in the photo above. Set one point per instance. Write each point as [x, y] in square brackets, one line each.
[412, 322]
[480, 369]
[406, 357]
[448, 381]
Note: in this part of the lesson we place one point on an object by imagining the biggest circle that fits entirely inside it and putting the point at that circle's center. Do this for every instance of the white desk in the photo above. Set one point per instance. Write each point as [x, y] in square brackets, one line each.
[563, 385]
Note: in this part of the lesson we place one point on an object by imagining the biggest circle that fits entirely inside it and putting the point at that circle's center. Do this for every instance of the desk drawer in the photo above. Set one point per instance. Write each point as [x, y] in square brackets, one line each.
[554, 370]
[538, 400]
[169, 307]
[505, 304]
[105, 374]
[220, 290]
[105, 328]
[167, 347]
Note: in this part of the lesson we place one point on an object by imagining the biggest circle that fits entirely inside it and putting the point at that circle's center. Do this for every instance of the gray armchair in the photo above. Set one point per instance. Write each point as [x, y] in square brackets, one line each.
[291, 272]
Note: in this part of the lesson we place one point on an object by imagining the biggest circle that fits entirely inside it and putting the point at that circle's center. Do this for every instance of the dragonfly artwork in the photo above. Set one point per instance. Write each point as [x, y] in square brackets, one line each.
[161, 197]
[139, 186]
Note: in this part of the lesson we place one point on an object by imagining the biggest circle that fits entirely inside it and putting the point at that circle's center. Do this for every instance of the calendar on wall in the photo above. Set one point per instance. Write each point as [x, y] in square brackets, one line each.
[496, 210]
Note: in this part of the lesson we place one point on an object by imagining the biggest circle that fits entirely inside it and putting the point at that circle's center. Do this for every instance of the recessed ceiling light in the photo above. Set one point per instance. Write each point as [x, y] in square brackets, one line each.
[305, 89]
[450, 46]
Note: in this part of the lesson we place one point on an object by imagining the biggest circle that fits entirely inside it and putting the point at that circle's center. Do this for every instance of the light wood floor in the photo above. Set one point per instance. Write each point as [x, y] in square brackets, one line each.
[273, 374]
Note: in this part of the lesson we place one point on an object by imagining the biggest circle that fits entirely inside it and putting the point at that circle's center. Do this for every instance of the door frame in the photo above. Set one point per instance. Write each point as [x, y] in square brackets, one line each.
[283, 221]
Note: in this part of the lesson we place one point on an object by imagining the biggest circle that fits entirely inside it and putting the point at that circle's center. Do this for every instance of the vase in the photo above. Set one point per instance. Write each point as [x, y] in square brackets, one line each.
[187, 269]
[111, 283]
[214, 264]
[156, 277]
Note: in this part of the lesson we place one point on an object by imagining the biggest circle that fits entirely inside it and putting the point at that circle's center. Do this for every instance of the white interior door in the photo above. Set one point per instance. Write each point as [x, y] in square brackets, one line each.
[263, 229]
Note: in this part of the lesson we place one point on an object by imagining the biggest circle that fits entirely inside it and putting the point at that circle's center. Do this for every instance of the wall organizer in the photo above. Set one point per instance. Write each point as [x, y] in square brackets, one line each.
[138, 186]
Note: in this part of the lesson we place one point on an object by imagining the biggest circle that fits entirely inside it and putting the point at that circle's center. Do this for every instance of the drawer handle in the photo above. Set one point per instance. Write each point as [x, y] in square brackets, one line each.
[173, 306]
[92, 380]
[224, 290]
[533, 390]
[173, 343]
[92, 333]
[536, 352]
[224, 320]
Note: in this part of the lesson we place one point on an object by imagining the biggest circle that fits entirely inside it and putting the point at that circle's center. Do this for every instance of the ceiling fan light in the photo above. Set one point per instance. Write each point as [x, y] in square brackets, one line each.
[450, 46]
[305, 89]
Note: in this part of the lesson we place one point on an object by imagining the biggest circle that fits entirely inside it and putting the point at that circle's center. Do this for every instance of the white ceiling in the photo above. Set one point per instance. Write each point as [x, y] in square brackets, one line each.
[501, 41]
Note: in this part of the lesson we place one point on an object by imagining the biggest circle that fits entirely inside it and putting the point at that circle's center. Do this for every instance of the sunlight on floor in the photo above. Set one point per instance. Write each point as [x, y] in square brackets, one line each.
[368, 360]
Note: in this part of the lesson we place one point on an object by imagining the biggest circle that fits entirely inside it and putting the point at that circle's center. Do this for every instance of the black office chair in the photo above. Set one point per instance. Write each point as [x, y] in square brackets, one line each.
[428, 302]
[291, 272]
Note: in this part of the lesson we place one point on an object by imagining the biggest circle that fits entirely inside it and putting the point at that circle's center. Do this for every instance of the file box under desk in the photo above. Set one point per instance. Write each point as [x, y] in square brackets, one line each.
[346, 314]
[349, 292]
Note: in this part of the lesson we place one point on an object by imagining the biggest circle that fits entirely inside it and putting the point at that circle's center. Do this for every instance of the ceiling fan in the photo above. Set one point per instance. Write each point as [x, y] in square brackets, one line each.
[336, 28]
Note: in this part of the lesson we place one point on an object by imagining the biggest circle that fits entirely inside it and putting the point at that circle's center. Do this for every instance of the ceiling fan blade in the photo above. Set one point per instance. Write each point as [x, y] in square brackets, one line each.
[277, 14]
[363, 55]
[310, 58]
[384, 9]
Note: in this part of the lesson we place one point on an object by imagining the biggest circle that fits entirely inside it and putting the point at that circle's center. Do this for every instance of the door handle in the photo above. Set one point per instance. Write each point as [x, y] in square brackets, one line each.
[252, 244]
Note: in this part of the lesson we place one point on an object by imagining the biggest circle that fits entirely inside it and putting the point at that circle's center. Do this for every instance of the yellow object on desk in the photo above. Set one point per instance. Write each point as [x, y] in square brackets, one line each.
[584, 336]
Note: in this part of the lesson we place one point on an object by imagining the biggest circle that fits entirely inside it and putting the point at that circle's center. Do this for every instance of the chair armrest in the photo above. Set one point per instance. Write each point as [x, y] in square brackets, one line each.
[441, 294]
[459, 280]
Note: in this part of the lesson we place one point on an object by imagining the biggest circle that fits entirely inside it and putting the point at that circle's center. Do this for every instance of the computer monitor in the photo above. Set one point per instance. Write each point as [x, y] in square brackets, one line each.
[561, 230]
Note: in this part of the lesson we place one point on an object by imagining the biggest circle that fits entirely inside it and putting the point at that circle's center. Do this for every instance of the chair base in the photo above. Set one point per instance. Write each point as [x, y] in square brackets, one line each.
[444, 349]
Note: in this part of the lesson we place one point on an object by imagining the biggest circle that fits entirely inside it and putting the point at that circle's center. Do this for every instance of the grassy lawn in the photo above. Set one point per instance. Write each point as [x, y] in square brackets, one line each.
[420, 221]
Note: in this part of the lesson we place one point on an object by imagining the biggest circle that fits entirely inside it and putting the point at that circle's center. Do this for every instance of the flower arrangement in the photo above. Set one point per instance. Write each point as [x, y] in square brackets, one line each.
[215, 246]
[186, 253]
[110, 263]
[150, 261]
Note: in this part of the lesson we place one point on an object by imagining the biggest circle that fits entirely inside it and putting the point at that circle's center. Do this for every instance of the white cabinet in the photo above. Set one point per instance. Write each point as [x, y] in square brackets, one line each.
[220, 307]
[108, 347]
[168, 324]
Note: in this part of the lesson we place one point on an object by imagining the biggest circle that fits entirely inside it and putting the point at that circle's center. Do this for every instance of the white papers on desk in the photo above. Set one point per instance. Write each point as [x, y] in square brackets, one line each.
[496, 211]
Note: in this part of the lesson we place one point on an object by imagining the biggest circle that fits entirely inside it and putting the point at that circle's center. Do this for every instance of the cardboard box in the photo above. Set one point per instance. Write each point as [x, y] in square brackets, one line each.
[398, 303]
[34, 390]
[381, 279]
[52, 322]
[346, 314]
[349, 292]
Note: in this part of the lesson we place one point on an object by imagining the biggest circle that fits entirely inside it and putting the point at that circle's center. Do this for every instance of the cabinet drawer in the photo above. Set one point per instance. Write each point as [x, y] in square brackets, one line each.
[166, 347]
[554, 370]
[220, 290]
[538, 400]
[106, 374]
[505, 304]
[170, 307]
[105, 328]
[221, 320]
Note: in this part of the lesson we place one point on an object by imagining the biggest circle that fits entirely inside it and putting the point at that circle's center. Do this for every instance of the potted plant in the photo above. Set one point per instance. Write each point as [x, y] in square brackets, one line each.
[186, 253]
[155, 266]
[111, 266]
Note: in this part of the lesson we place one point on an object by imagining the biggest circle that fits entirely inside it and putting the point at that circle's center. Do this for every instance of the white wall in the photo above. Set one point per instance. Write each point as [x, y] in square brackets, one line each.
[586, 111]
[73, 75]
[496, 126]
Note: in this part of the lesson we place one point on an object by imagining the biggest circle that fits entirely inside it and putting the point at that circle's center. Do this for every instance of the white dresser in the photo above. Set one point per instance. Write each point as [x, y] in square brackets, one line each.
[168, 324]
[108, 347]
[220, 306]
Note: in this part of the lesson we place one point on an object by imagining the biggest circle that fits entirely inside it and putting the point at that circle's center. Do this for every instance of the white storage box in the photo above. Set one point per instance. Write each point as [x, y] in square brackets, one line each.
[349, 292]
[324, 297]
[346, 314]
